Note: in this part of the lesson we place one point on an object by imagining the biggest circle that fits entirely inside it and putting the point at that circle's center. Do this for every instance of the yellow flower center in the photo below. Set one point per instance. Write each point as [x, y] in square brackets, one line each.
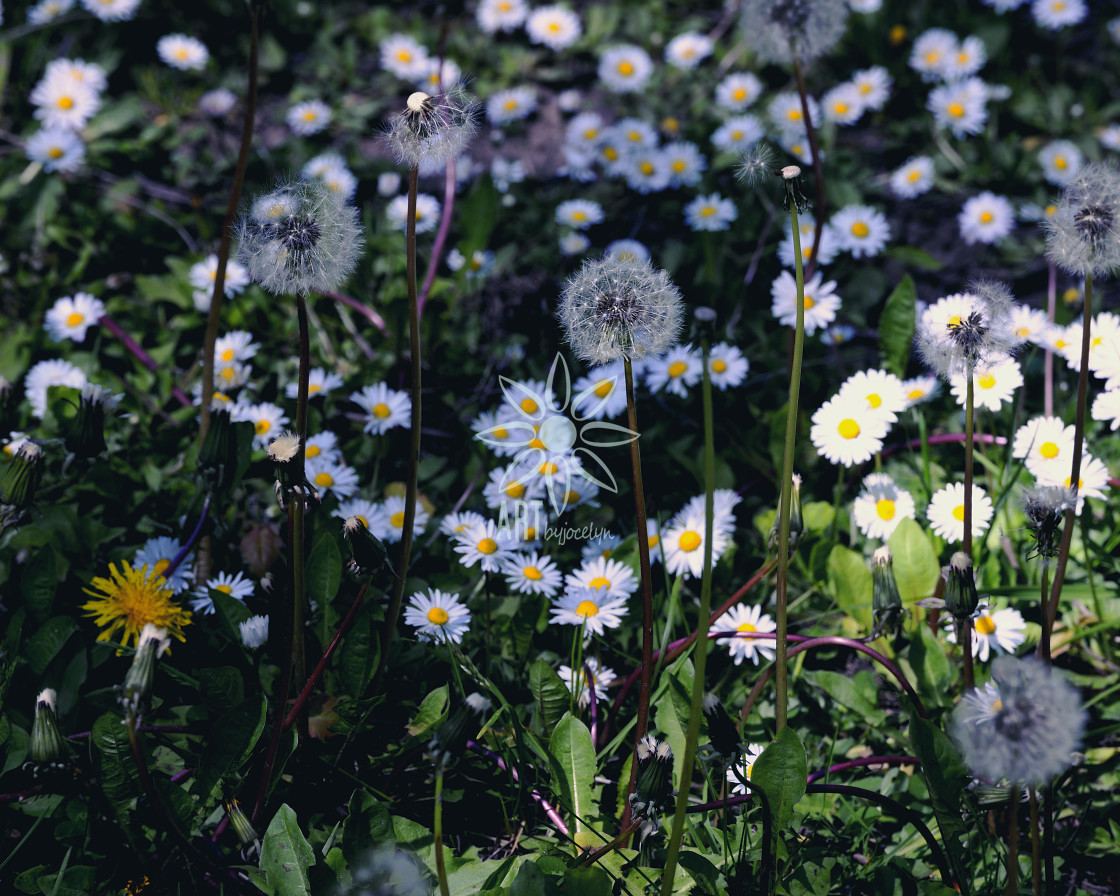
[548, 468]
[986, 381]
[794, 115]
[487, 546]
[677, 368]
[932, 56]
[65, 102]
[404, 56]
[956, 110]
[848, 428]
[361, 519]
[885, 508]
[599, 582]
[1049, 450]
[511, 105]
[611, 153]
[809, 303]
[840, 108]
[679, 166]
[738, 94]
[531, 572]
[1060, 163]
[324, 479]
[225, 589]
[437, 616]
[626, 68]
[227, 355]
[746, 627]
[874, 400]
[312, 451]
[54, 152]
[309, 116]
[553, 27]
[160, 566]
[572, 497]
[530, 534]
[261, 426]
[653, 541]
[1050, 210]
[986, 217]
[536, 443]
[860, 229]
[689, 541]
[500, 433]
[1022, 332]
[604, 388]
[227, 374]
[381, 411]
[915, 394]
[958, 513]
[1080, 483]
[590, 133]
[985, 626]
[647, 168]
[515, 490]
[707, 211]
[719, 365]
[996, 706]
[587, 608]
[74, 319]
[397, 520]
[897, 34]
[913, 175]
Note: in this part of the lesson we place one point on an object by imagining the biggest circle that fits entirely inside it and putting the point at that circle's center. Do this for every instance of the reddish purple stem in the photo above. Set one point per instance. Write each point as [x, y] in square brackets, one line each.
[860, 763]
[549, 809]
[441, 237]
[147, 360]
[945, 439]
[368, 313]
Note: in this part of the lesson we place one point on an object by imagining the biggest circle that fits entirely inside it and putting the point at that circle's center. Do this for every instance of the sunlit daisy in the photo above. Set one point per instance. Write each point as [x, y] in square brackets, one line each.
[921, 388]
[874, 86]
[394, 510]
[682, 546]
[504, 488]
[532, 574]
[946, 512]
[331, 477]
[711, 212]
[742, 769]
[843, 104]
[742, 618]
[485, 545]
[183, 52]
[961, 107]
[788, 116]
[738, 90]
[64, 103]
[1061, 161]
[437, 616]
[684, 162]
[677, 371]
[806, 231]
[369, 513]
[579, 213]
[609, 578]
[500, 15]
[1055, 14]
[553, 26]
[456, 523]
[688, 50]
[877, 390]
[738, 134]
[601, 547]
[427, 212]
[986, 218]
[998, 631]
[861, 230]
[513, 104]
[914, 178]
[236, 586]
[1028, 323]
[992, 384]
[72, 316]
[625, 68]
[881, 505]
[724, 502]
[308, 117]
[1046, 446]
[1090, 484]
[847, 434]
[821, 301]
[49, 373]
[932, 51]
[130, 599]
[267, 420]
[590, 609]
[217, 103]
[59, 149]
[402, 56]
[1106, 408]
[320, 382]
[157, 554]
[727, 366]
[590, 679]
[385, 408]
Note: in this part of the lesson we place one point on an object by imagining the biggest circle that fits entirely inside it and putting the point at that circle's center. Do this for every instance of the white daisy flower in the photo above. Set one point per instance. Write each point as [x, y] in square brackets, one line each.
[254, 631]
[402, 56]
[682, 546]
[724, 502]
[711, 212]
[1045, 444]
[646, 170]
[308, 117]
[13, 443]
[72, 316]
[877, 391]
[460, 522]
[946, 512]
[846, 434]
[625, 68]
[933, 50]
[495, 431]
[371, 515]
[608, 578]
[742, 769]
[741, 618]
[677, 371]
[63, 103]
[961, 106]
[183, 52]
[999, 631]
[1106, 408]
[505, 486]
[967, 59]
[788, 116]
[1029, 323]
[111, 10]
[203, 274]
[807, 229]
[486, 545]
[573, 243]
[59, 149]
[727, 366]
[437, 616]
[438, 75]
[385, 408]
[513, 104]
[331, 477]
[500, 15]
[874, 86]
[320, 382]
[1061, 161]
[738, 90]
[584, 131]
[46, 10]
[218, 103]
[236, 586]
[738, 134]
[1055, 14]
[685, 163]
[602, 393]
[157, 554]
[236, 345]
[627, 250]
[590, 609]
[688, 50]
[267, 419]
[653, 540]
[992, 385]
[590, 679]
[1090, 484]
[921, 388]
[861, 230]
[553, 26]
[532, 574]
[394, 509]
[427, 212]
[1109, 136]
[46, 374]
[821, 301]
[579, 213]
[843, 104]
[914, 178]
[881, 505]
[986, 218]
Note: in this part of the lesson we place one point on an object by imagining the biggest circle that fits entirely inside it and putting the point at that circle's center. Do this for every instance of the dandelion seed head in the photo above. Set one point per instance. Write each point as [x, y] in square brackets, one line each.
[433, 129]
[783, 30]
[1083, 235]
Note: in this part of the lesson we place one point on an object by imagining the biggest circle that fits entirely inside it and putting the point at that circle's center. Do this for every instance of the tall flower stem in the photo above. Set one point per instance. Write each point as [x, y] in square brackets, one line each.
[1036, 851]
[437, 834]
[818, 178]
[699, 657]
[441, 236]
[1013, 840]
[645, 692]
[786, 500]
[964, 625]
[297, 508]
[1075, 472]
[1048, 356]
[390, 626]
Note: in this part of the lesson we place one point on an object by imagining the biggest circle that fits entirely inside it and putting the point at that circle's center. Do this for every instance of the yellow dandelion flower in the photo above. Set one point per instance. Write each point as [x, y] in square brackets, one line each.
[129, 600]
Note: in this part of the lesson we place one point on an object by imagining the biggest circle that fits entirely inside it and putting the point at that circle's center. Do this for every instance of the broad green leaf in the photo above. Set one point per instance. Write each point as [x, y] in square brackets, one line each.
[45, 644]
[946, 778]
[286, 855]
[849, 581]
[781, 771]
[896, 327]
[914, 561]
[550, 694]
[113, 761]
[588, 881]
[574, 753]
[324, 568]
[857, 693]
[235, 733]
[367, 823]
[930, 665]
[39, 581]
[231, 613]
[359, 652]
[221, 689]
[431, 712]
[817, 515]
[531, 881]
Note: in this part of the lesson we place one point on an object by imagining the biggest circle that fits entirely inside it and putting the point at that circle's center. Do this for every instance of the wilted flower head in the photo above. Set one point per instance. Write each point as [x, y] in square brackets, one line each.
[722, 733]
[886, 602]
[1023, 727]
[1083, 235]
[785, 30]
[367, 552]
[47, 744]
[961, 598]
[433, 129]
[1045, 508]
[300, 238]
[137, 687]
[960, 332]
[615, 308]
[653, 787]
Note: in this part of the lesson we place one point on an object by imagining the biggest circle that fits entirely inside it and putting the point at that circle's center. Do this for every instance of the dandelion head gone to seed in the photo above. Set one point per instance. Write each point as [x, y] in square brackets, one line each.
[616, 308]
[959, 333]
[1023, 727]
[433, 129]
[784, 30]
[1083, 235]
[1044, 507]
[300, 238]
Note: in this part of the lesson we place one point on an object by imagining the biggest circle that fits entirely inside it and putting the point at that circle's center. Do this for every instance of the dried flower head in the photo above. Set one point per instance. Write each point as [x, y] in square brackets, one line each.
[653, 787]
[1045, 507]
[958, 333]
[368, 553]
[723, 736]
[886, 602]
[1083, 235]
[961, 598]
[433, 129]
[615, 308]
[784, 30]
[300, 238]
[1023, 727]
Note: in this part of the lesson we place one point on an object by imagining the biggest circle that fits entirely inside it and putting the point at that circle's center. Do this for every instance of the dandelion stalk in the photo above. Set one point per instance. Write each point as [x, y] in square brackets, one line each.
[296, 509]
[437, 834]
[700, 655]
[1036, 866]
[394, 609]
[818, 181]
[964, 624]
[1013, 840]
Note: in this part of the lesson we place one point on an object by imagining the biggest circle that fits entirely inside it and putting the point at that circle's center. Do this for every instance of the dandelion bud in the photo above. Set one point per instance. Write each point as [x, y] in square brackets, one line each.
[86, 436]
[300, 238]
[791, 178]
[246, 834]
[450, 740]
[960, 586]
[137, 687]
[217, 458]
[722, 734]
[433, 129]
[47, 744]
[1045, 508]
[653, 788]
[287, 466]
[615, 308]
[21, 479]
[886, 603]
[367, 552]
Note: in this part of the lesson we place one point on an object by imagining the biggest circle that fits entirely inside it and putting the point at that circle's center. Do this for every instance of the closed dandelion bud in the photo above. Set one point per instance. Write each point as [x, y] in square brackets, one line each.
[791, 177]
[1045, 507]
[217, 458]
[722, 734]
[653, 789]
[367, 552]
[616, 308]
[432, 130]
[300, 238]
[137, 688]
[22, 478]
[886, 603]
[86, 436]
[287, 465]
[247, 835]
[960, 587]
[47, 744]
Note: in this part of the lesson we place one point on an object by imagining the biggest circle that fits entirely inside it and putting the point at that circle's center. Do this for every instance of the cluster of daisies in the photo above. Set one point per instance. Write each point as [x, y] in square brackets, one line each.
[106, 10]
[65, 99]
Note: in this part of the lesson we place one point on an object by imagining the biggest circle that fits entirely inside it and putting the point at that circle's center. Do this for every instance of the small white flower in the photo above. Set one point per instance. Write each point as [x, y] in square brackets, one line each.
[742, 769]
[62, 102]
[933, 51]
[1090, 484]
[738, 90]
[484, 544]
[946, 512]
[509, 105]
[1061, 161]
[874, 86]
[573, 243]
[590, 679]
[45, 10]
[1045, 444]
[427, 212]
[967, 59]
[183, 52]
[677, 371]
[1055, 14]
[111, 10]
[914, 178]
[961, 106]
[602, 393]
[1001, 631]
[711, 213]
[500, 15]
[402, 56]
[203, 273]
[394, 510]
[590, 609]
[607, 578]
[682, 545]
[46, 374]
[627, 250]
[254, 631]
[806, 231]
[881, 505]
[685, 163]
[437, 616]
[741, 618]
[738, 134]
[267, 419]
[993, 384]
[847, 434]
[331, 477]
[59, 149]
[532, 574]
[236, 586]
[861, 230]
[553, 26]
[385, 408]
[235, 346]
[217, 103]
[625, 68]
[843, 104]
[1109, 136]
[309, 117]
[726, 365]
[579, 213]
[1106, 408]
[688, 50]
[157, 554]
[72, 316]
[986, 218]
[821, 301]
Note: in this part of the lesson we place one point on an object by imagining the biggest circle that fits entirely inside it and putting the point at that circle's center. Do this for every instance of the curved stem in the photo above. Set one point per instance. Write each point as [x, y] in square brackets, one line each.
[441, 235]
[179, 557]
[147, 360]
[818, 177]
[549, 809]
[947, 438]
[862, 763]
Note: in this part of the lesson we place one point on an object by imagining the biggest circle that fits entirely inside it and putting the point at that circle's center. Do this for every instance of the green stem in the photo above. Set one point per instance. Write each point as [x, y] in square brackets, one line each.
[390, 626]
[965, 625]
[818, 179]
[646, 681]
[1036, 865]
[700, 656]
[297, 508]
[437, 833]
[786, 500]
[1013, 841]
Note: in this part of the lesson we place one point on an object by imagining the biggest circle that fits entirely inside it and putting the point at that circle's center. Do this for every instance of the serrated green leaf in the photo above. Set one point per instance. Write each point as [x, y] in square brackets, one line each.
[324, 568]
[849, 582]
[112, 758]
[551, 696]
[531, 881]
[45, 644]
[39, 581]
[574, 753]
[914, 561]
[896, 327]
[367, 823]
[286, 855]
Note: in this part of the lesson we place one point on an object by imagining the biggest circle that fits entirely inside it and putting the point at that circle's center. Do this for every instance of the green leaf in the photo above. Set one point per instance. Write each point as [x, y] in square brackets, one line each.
[930, 667]
[286, 855]
[431, 712]
[367, 822]
[45, 644]
[221, 688]
[782, 772]
[550, 694]
[896, 327]
[946, 778]
[590, 881]
[237, 731]
[116, 769]
[231, 612]
[359, 652]
[858, 693]
[849, 581]
[324, 568]
[39, 581]
[914, 561]
[531, 881]
[817, 515]
[574, 753]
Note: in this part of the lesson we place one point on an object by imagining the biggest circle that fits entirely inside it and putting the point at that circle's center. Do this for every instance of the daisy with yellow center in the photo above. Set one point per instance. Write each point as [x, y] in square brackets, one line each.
[683, 545]
[130, 599]
[589, 680]
[847, 434]
[609, 577]
[742, 769]
[880, 506]
[946, 512]
[484, 544]
[748, 620]
[532, 573]
[589, 608]
[437, 616]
